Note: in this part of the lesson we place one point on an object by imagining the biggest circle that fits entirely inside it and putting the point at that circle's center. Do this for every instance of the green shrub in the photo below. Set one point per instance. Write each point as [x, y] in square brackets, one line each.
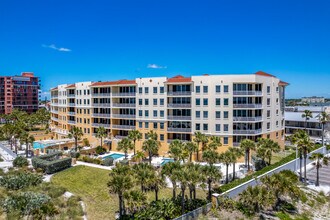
[108, 161]
[20, 180]
[90, 160]
[52, 190]
[51, 156]
[53, 166]
[283, 216]
[124, 162]
[74, 154]
[20, 162]
[100, 150]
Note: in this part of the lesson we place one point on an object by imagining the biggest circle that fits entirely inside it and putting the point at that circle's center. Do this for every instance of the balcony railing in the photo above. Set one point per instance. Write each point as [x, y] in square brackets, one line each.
[236, 144]
[54, 118]
[179, 93]
[172, 105]
[179, 129]
[54, 111]
[100, 94]
[71, 95]
[123, 116]
[101, 115]
[54, 96]
[247, 118]
[120, 94]
[252, 93]
[171, 140]
[71, 122]
[105, 105]
[71, 104]
[247, 105]
[71, 113]
[101, 125]
[120, 137]
[256, 131]
[171, 117]
[123, 105]
[130, 127]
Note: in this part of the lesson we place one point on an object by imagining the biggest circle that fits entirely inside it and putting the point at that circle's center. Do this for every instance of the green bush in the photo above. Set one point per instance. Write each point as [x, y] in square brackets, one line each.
[51, 156]
[52, 190]
[20, 162]
[20, 180]
[75, 154]
[124, 162]
[100, 150]
[108, 162]
[90, 160]
[53, 166]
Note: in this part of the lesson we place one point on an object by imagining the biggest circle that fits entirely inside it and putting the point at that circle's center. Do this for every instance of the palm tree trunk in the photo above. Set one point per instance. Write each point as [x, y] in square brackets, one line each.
[300, 166]
[248, 159]
[150, 157]
[209, 194]
[76, 144]
[134, 146]
[174, 190]
[190, 157]
[182, 200]
[195, 192]
[120, 205]
[317, 175]
[322, 135]
[191, 192]
[101, 142]
[26, 149]
[227, 173]
[156, 193]
[233, 171]
[197, 151]
[305, 173]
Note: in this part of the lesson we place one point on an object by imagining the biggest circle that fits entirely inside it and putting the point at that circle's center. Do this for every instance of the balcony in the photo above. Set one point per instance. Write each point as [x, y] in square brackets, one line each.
[171, 140]
[256, 131]
[71, 95]
[54, 111]
[121, 94]
[187, 130]
[171, 105]
[124, 127]
[248, 93]
[247, 119]
[54, 96]
[101, 94]
[71, 104]
[179, 118]
[247, 105]
[101, 125]
[179, 93]
[101, 115]
[123, 105]
[71, 122]
[60, 131]
[123, 116]
[54, 118]
[71, 113]
[236, 144]
[104, 105]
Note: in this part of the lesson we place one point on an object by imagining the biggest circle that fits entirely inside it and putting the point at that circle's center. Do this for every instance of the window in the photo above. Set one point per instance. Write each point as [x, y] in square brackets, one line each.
[205, 127]
[217, 127]
[161, 89]
[217, 88]
[268, 125]
[140, 90]
[217, 114]
[276, 123]
[155, 113]
[268, 89]
[155, 90]
[198, 102]
[146, 136]
[198, 127]
[277, 112]
[276, 101]
[225, 102]
[146, 101]
[277, 89]
[225, 114]
[155, 101]
[217, 101]
[268, 113]
[146, 113]
[161, 137]
[268, 101]
[140, 124]
[161, 113]
[140, 113]
[146, 124]
[225, 127]
[155, 125]
[198, 114]
[205, 89]
[161, 102]
[225, 140]
[146, 90]
[226, 89]
[140, 101]
[205, 102]
[198, 89]
[205, 114]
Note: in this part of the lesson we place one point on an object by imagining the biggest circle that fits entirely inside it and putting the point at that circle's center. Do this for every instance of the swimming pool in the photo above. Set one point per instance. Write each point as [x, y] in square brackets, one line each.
[114, 156]
[166, 160]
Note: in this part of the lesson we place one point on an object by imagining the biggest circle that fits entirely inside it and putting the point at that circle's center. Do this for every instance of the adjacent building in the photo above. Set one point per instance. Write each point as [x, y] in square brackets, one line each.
[19, 92]
[313, 100]
[234, 107]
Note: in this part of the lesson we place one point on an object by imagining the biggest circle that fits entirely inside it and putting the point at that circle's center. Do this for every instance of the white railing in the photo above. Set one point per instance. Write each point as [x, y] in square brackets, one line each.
[123, 94]
[171, 140]
[179, 129]
[171, 117]
[101, 115]
[106, 105]
[247, 118]
[123, 127]
[71, 95]
[101, 94]
[123, 105]
[101, 125]
[257, 131]
[54, 119]
[247, 106]
[123, 116]
[171, 105]
[258, 93]
[71, 122]
[54, 111]
[71, 104]
[71, 113]
[179, 93]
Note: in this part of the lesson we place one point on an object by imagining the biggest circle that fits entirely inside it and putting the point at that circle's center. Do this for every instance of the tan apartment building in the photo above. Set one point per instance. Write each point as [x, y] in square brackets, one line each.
[234, 107]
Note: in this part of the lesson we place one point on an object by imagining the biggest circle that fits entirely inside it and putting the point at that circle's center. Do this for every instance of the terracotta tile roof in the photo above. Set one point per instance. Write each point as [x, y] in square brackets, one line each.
[261, 73]
[114, 83]
[56, 88]
[282, 83]
[71, 86]
[178, 79]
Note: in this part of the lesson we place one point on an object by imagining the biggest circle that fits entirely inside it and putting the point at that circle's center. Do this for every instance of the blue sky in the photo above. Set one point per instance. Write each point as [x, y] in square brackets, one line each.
[67, 41]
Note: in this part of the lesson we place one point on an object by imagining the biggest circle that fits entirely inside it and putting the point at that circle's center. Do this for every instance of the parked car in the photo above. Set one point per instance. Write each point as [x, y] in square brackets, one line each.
[318, 141]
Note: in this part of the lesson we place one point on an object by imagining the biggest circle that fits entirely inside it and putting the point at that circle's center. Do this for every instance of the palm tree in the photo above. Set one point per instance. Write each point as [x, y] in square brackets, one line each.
[198, 139]
[75, 133]
[215, 143]
[101, 133]
[27, 138]
[176, 149]
[7, 131]
[151, 146]
[304, 145]
[157, 181]
[143, 172]
[138, 156]
[236, 153]
[125, 145]
[319, 161]
[120, 182]
[134, 135]
[135, 201]
[247, 145]
[307, 115]
[212, 174]
[211, 156]
[170, 170]
[195, 177]
[324, 118]
[226, 158]
[183, 178]
[266, 147]
[152, 135]
[190, 147]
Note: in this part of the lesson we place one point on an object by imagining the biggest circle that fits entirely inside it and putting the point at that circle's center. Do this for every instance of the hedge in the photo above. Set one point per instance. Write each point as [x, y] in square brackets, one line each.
[51, 166]
[51, 156]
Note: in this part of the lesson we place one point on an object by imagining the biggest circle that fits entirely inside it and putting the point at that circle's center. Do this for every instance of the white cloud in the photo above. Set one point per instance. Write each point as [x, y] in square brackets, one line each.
[155, 66]
[52, 46]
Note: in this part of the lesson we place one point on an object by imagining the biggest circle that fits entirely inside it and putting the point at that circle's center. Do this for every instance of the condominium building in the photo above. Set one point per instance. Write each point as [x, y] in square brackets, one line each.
[19, 92]
[233, 107]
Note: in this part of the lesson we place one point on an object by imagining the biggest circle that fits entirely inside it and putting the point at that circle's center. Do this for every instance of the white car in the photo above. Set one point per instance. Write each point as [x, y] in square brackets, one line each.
[318, 141]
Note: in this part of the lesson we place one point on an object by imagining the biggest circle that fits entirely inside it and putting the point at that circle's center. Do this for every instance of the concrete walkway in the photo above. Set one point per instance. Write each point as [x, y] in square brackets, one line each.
[93, 165]
[6, 153]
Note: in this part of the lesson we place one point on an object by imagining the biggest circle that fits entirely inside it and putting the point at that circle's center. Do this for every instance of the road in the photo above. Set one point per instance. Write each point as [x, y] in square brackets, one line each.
[288, 166]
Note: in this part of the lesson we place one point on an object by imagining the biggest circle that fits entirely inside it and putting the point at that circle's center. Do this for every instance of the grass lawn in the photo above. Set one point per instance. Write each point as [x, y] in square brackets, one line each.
[91, 185]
